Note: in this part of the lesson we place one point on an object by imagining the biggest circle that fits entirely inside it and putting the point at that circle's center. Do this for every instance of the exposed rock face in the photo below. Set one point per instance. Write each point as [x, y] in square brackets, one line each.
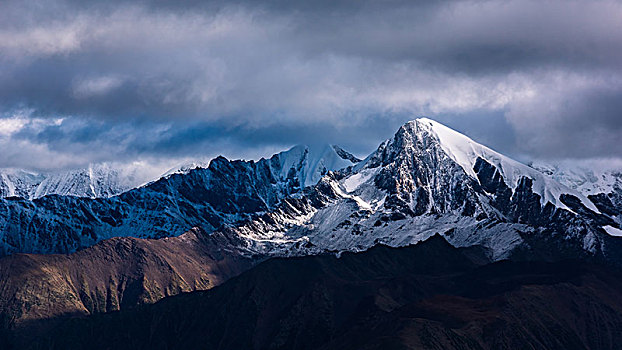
[430, 296]
[114, 274]
[414, 169]
[609, 203]
[345, 154]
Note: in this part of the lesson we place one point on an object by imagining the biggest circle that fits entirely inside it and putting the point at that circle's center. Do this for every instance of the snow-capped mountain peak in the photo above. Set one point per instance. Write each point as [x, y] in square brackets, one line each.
[310, 163]
[465, 152]
[430, 179]
[304, 162]
[589, 177]
[423, 151]
[95, 181]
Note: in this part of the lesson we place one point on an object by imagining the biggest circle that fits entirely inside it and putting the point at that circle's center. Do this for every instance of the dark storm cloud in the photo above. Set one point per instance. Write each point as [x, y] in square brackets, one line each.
[573, 124]
[86, 80]
[191, 139]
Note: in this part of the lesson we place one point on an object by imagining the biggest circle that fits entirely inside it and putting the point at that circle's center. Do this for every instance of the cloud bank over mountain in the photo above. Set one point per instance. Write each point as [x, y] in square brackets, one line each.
[162, 81]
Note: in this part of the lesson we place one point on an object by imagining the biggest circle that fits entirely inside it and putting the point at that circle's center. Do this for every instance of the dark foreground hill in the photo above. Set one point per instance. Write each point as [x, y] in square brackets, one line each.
[428, 296]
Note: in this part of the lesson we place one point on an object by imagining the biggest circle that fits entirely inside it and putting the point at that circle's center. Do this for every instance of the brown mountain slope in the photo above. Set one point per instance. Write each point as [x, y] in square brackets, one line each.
[427, 296]
[111, 275]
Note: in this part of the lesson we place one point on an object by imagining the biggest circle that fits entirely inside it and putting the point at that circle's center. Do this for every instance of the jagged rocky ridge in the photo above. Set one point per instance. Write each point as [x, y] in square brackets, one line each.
[224, 193]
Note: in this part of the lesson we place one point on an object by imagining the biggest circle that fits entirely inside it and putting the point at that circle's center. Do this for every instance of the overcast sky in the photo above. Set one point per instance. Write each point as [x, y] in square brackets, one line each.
[161, 82]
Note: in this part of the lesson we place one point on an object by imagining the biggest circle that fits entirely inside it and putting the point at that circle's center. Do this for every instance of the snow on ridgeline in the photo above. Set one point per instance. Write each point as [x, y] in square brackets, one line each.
[374, 202]
[185, 168]
[465, 152]
[312, 162]
[102, 180]
[96, 181]
[426, 168]
[591, 176]
[307, 163]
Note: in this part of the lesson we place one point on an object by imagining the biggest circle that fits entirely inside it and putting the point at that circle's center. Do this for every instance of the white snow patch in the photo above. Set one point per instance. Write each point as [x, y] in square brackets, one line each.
[355, 181]
[311, 162]
[361, 203]
[185, 168]
[590, 176]
[613, 231]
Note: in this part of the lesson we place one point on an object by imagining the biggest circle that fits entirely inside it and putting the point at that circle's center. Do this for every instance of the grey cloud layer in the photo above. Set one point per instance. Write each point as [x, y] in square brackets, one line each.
[166, 79]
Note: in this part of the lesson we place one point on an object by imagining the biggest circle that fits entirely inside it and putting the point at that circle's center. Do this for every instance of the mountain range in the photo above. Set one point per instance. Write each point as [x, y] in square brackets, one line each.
[97, 180]
[202, 224]
[224, 193]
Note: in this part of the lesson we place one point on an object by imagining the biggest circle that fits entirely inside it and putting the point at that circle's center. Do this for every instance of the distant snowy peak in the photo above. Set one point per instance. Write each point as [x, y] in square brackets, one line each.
[20, 183]
[589, 177]
[98, 180]
[309, 163]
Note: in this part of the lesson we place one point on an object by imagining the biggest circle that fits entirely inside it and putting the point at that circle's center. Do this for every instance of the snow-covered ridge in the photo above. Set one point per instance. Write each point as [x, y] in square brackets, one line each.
[312, 199]
[465, 152]
[95, 181]
[103, 180]
[309, 163]
[312, 162]
[586, 176]
[221, 195]
[185, 168]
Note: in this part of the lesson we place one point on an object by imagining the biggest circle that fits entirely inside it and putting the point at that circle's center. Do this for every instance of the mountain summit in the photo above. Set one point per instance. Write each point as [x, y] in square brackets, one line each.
[426, 143]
